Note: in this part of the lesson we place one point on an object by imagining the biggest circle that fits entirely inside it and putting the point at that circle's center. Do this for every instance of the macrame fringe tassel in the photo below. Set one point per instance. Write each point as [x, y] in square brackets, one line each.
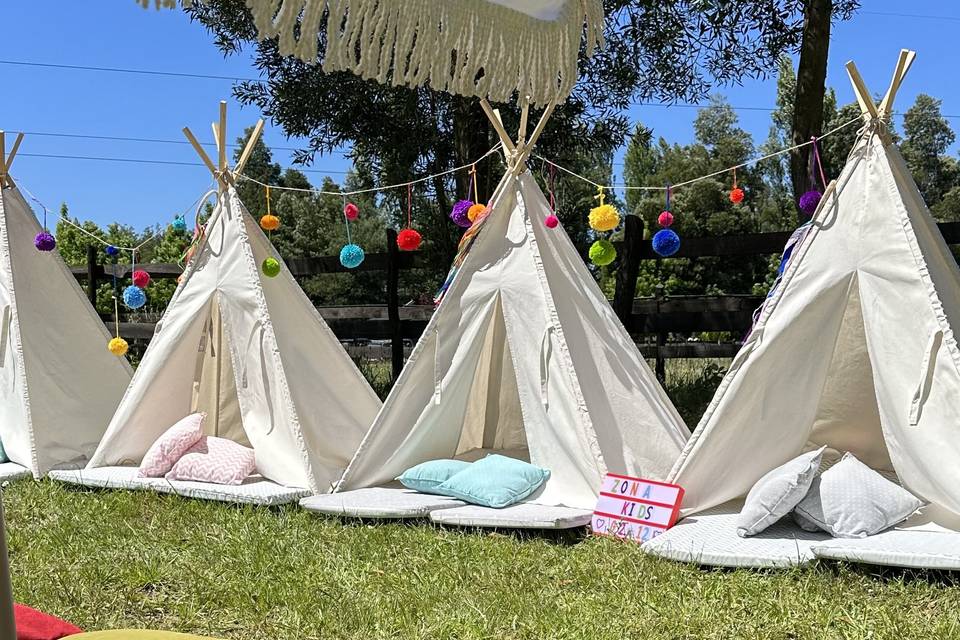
[466, 47]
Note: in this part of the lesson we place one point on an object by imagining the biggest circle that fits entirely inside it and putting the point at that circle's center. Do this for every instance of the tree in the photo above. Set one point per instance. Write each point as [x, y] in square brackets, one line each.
[810, 85]
[927, 137]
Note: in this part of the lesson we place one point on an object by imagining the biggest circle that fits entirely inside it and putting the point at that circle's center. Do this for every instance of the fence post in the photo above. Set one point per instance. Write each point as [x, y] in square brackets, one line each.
[393, 304]
[628, 271]
[661, 366]
[92, 274]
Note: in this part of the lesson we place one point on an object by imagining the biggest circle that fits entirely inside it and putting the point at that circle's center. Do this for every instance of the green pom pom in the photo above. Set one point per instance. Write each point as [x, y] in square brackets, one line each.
[270, 267]
[602, 253]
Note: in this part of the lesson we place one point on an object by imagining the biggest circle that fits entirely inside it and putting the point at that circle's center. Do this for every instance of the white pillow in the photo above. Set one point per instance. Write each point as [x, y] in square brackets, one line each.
[777, 493]
[851, 500]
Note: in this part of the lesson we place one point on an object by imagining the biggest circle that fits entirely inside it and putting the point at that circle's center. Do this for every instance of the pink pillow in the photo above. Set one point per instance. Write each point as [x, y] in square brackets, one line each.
[163, 454]
[215, 460]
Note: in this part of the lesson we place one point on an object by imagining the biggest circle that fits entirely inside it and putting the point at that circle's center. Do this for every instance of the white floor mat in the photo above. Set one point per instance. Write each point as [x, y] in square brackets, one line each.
[10, 471]
[255, 490]
[519, 516]
[711, 538]
[378, 502]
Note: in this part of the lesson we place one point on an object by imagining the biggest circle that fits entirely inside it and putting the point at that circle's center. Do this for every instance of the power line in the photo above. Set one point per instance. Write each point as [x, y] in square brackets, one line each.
[86, 136]
[910, 15]
[149, 161]
[145, 72]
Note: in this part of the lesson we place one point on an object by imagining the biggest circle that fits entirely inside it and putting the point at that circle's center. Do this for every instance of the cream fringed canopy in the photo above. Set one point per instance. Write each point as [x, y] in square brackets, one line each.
[483, 48]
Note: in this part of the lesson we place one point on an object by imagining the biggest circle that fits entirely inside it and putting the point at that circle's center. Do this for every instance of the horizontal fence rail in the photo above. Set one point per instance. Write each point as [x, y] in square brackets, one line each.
[370, 329]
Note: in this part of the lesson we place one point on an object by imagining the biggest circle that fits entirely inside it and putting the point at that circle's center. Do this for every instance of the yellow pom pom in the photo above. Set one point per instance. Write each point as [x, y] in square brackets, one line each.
[604, 218]
[270, 222]
[118, 347]
[474, 212]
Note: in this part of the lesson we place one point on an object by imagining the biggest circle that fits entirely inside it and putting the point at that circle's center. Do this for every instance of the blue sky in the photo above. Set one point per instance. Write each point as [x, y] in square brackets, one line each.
[119, 34]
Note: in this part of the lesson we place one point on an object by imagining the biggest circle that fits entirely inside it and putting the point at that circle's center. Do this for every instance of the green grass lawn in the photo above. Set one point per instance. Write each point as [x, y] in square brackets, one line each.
[120, 559]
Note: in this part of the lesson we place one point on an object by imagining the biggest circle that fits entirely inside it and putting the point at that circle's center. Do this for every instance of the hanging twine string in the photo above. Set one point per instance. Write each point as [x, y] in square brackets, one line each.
[669, 190]
[409, 205]
[734, 177]
[752, 161]
[816, 160]
[347, 221]
[473, 184]
[551, 185]
[600, 195]
[116, 314]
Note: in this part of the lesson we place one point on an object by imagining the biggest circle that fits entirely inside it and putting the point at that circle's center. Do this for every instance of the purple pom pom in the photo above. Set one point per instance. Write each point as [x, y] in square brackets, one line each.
[459, 213]
[809, 202]
[45, 242]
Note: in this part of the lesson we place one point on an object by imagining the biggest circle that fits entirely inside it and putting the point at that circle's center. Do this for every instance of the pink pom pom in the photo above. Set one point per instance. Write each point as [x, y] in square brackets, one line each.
[665, 219]
[351, 211]
[551, 221]
[141, 278]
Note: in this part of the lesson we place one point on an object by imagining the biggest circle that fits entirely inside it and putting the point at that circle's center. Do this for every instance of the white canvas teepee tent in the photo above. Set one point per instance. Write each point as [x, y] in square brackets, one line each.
[855, 349]
[58, 383]
[524, 356]
[253, 353]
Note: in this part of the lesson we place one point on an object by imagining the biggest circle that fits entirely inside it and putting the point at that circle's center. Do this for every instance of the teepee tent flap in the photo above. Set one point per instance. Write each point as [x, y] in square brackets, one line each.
[524, 356]
[60, 384]
[855, 350]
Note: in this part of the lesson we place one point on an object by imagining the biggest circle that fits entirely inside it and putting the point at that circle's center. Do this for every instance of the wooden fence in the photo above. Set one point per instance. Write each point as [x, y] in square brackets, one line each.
[650, 320]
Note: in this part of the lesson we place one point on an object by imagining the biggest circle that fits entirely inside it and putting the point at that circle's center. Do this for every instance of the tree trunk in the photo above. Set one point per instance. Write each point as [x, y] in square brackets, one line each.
[808, 103]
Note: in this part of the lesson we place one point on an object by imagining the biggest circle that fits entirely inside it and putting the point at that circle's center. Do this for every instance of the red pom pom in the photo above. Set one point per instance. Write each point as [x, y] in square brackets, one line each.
[736, 196]
[551, 221]
[665, 219]
[351, 211]
[408, 240]
[141, 278]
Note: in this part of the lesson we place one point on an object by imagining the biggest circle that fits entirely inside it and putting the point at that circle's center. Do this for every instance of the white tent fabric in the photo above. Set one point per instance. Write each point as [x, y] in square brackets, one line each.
[525, 356]
[484, 48]
[254, 353]
[59, 384]
[855, 349]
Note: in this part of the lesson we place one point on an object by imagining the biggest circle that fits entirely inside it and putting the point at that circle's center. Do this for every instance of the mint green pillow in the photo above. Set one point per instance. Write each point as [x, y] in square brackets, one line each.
[495, 481]
[3, 454]
[427, 476]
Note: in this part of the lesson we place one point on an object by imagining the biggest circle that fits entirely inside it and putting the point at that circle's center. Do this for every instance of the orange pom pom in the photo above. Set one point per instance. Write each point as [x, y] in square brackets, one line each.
[269, 222]
[736, 195]
[474, 212]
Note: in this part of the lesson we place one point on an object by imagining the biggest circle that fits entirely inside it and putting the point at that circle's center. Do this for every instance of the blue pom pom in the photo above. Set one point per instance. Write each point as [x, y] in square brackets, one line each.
[666, 242]
[351, 256]
[112, 250]
[134, 297]
[179, 224]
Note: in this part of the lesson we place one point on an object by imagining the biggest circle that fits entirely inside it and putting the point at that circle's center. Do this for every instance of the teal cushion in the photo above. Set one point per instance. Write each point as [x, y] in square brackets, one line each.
[495, 481]
[3, 454]
[427, 476]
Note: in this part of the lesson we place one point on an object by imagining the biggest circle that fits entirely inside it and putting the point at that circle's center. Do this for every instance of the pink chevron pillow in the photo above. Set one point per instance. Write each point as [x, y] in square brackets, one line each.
[164, 453]
[215, 460]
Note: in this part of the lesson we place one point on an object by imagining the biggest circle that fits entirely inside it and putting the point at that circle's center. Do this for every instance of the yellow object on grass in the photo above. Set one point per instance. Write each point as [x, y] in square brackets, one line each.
[136, 634]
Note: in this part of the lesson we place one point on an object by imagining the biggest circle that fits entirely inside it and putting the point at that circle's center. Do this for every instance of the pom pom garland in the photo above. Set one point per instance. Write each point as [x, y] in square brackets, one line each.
[141, 278]
[45, 242]
[112, 250]
[809, 202]
[736, 195]
[665, 219]
[408, 240]
[134, 297]
[351, 256]
[118, 347]
[269, 222]
[351, 211]
[459, 213]
[666, 242]
[602, 253]
[179, 224]
[604, 218]
[270, 267]
[551, 221]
